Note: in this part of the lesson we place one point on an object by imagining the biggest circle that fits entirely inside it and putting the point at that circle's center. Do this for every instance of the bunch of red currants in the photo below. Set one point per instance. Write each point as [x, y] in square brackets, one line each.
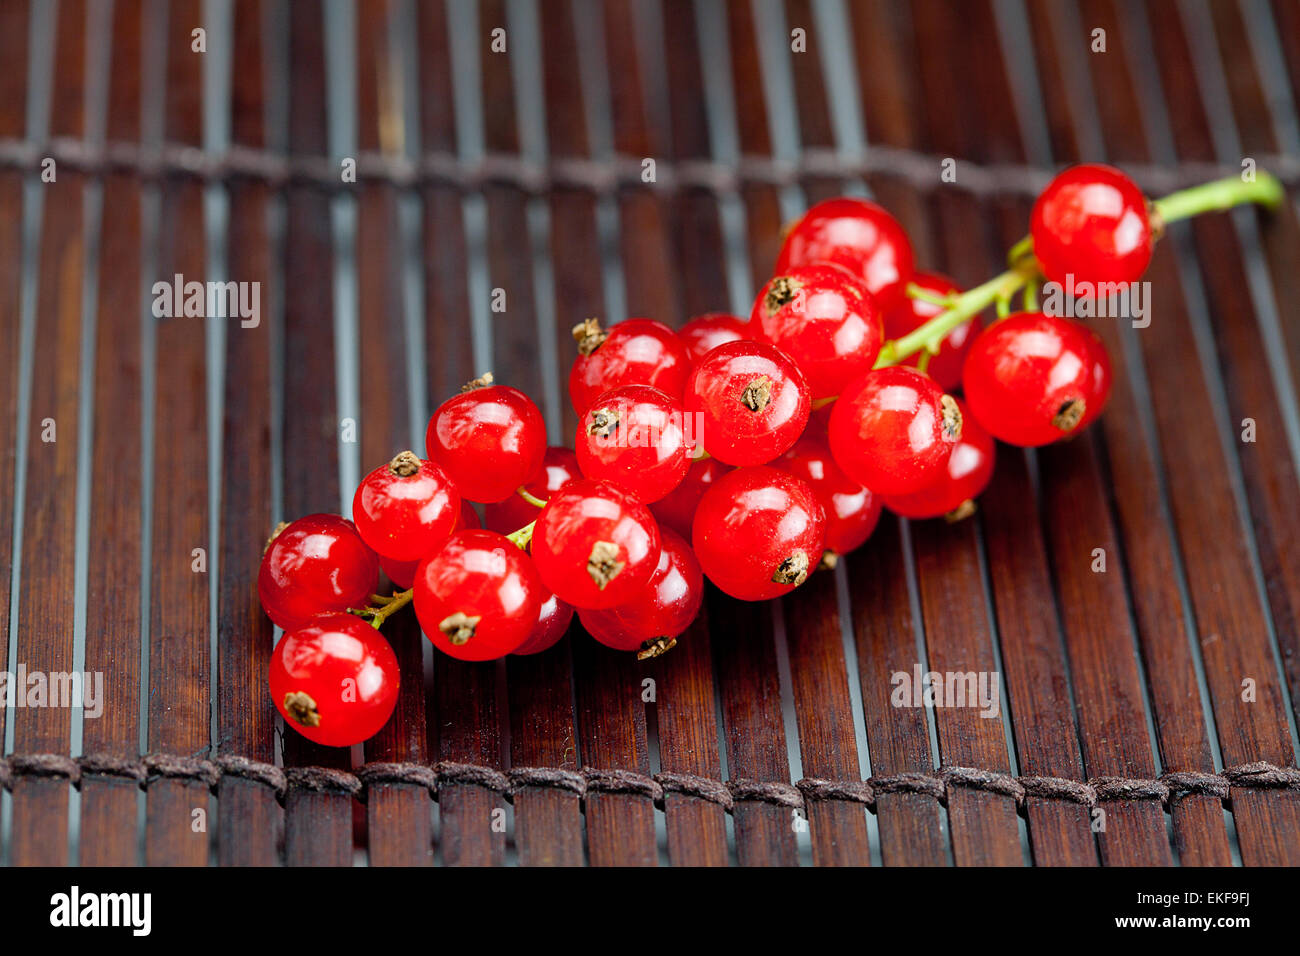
[746, 452]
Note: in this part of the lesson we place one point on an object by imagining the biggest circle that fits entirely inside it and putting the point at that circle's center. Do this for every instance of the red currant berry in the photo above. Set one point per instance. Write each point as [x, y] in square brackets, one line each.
[824, 319]
[405, 509]
[489, 441]
[970, 469]
[552, 622]
[313, 566]
[858, 235]
[758, 532]
[749, 402]
[1102, 378]
[595, 545]
[705, 333]
[478, 597]
[1091, 224]
[633, 437]
[651, 622]
[1029, 378]
[677, 509]
[559, 465]
[401, 573]
[851, 510]
[893, 430]
[634, 352]
[334, 680]
[910, 314]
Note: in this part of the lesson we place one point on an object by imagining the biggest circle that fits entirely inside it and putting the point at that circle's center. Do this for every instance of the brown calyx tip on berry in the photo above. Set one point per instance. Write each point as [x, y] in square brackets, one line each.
[302, 708]
[1155, 222]
[951, 422]
[404, 464]
[757, 394]
[828, 561]
[589, 335]
[793, 570]
[603, 564]
[274, 534]
[1069, 415]
[483, 381]
[656, 647]
[961, 512]
[604, 422]
[459, 627]
[780, 292]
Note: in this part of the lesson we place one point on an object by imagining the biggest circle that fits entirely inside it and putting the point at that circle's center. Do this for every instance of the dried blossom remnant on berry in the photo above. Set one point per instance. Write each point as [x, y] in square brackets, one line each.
[483, 381]
[961, 512]
[793, 570]
[589, 336]
[603, 564]
[828, 562]
[757, 394]
[302, 708]
[1069, 415]
[404, 464]
[951, 421]
[780, 292]
[604, 422]
[274, 534]
[459, 627]
[655, 648]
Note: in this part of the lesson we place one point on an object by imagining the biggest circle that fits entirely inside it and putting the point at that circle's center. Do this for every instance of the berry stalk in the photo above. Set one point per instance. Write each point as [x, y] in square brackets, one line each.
[1218, 195]
[382, 608]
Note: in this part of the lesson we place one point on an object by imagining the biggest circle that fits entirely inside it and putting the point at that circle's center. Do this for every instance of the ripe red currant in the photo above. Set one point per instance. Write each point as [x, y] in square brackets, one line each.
[704, 333]
[749, 400]
[595, 545]
[758, 532]
[1091, 223]
[406, 508]
[402, 573]
[851, 510]
[633, 436]
[334, 680]
[858, 235]
[559, 465]
[893, 430]
[677, 509]
[552, 621]
[1029, 378]
[824, 319]
[910, 314]
[1102, 378]
[633, 352]
[313, 566]
[478, 597]
[970, 469]
[651, 622]
[489, 441]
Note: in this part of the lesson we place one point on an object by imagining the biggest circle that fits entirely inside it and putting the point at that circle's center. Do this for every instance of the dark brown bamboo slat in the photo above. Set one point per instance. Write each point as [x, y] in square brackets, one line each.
[400, 814]
[45, 602]
[109, 820]
[318, 825]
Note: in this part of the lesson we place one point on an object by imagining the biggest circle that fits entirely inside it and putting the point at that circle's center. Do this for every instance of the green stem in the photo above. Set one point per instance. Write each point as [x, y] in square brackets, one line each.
[387, 607]
[914, 291]
[1031, 297]
[1220, 194]
[524, 536]
[531, 499]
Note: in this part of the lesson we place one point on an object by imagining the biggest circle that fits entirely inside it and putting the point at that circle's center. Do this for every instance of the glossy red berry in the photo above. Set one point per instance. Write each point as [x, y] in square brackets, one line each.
[595, 545]
[402, 573]
[478, 598]
[1091, 225]
[1029, 378]
[633, 352]
[559, 465]
[705, 333]
[552, 622]
[406, 508]
[633, 436]
[758, 532]
[1102, 378]
[749, 402]
[335, 680]
[315, 565]
[677, 509]
[851, 510]
[910, 314]
[824, 319]
[893, 430]
[488, 440]
[970, 468]
[858, 235]
[651, 622]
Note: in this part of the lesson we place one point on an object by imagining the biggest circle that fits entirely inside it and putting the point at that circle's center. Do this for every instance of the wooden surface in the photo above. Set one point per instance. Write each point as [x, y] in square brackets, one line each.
[1148, 712]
